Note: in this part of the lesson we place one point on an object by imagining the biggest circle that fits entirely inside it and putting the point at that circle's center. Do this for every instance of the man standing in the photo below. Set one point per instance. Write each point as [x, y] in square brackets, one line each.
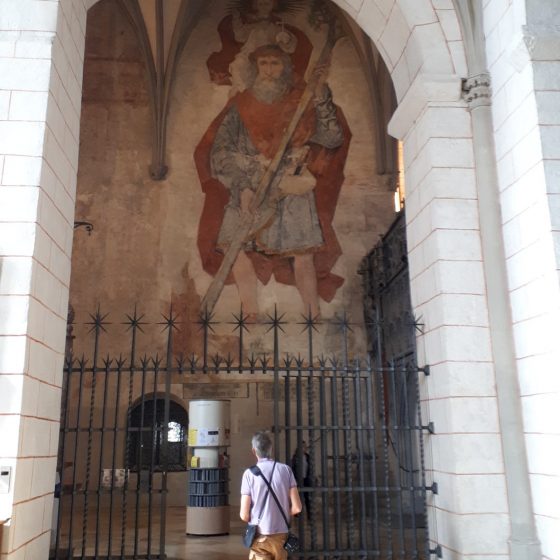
[259, 508]
[301, 466]
[297, 244]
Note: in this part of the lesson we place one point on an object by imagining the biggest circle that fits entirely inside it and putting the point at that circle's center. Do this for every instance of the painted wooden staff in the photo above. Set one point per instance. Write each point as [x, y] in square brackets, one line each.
[262, 206]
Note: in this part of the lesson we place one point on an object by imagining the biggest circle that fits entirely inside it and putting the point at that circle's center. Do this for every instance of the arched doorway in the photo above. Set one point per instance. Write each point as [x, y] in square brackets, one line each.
[344, 452]
[441, 246]
[147, 423]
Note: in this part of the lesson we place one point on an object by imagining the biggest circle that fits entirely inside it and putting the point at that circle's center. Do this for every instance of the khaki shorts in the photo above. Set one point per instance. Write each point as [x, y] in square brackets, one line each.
[269, 547]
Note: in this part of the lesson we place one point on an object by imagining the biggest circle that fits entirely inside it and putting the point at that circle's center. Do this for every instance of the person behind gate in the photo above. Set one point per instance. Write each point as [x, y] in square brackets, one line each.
[258, 508]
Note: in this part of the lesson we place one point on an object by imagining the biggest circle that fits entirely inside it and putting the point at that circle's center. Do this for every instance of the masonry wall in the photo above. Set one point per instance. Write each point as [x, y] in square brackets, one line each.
[524, 66]
[41, 57]
[41, 50]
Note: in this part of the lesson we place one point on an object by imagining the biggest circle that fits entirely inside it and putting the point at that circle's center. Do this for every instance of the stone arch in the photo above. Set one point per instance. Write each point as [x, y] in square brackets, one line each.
[423, 50]
[411, 36]
[423, 47]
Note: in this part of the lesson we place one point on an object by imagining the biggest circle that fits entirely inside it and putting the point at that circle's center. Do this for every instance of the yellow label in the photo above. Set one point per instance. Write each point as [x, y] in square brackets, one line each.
[193, 436]
[195, 462]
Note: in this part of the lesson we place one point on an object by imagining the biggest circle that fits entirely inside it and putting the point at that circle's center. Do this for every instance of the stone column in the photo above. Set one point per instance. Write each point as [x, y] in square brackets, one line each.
[41, 64]
[524, 544]
[469, 515]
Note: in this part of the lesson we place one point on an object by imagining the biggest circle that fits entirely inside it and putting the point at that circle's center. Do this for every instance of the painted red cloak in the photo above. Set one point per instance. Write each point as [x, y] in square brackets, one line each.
[265, 124]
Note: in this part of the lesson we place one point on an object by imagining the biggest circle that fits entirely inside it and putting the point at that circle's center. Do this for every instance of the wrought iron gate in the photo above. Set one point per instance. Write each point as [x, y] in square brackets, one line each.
[350, 426]
[355, 425]
[115, 451]
[364, 489]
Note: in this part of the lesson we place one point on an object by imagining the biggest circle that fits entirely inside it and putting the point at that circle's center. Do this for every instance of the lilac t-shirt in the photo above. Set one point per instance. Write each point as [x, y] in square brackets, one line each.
[283, 479]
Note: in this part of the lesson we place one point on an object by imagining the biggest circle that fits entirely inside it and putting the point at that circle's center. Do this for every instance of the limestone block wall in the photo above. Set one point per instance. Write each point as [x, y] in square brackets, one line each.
[524, 67]
[469, 517]
[41, 57]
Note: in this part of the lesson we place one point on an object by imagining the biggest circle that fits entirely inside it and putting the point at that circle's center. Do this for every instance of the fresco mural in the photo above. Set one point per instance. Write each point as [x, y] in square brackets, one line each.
[291, 236]
[241, 78]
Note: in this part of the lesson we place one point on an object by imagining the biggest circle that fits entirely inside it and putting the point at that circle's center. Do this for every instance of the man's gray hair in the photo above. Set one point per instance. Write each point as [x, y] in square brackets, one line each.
[262, 444]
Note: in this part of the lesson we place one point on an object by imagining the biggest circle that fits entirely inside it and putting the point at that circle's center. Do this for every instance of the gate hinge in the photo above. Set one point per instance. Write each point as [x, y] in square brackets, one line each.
[436, 551]
[429, 427]
[425, 370]
[433, 488]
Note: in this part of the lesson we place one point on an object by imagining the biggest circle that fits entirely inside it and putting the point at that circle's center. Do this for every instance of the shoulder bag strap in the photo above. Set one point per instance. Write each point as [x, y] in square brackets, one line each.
[272, 492]
[257, 472]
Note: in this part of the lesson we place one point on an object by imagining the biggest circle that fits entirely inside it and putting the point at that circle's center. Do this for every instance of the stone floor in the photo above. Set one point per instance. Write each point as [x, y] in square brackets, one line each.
[179, 546]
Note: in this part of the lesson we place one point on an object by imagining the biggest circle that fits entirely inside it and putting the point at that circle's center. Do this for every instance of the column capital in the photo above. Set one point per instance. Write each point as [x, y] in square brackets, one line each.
[477, 90]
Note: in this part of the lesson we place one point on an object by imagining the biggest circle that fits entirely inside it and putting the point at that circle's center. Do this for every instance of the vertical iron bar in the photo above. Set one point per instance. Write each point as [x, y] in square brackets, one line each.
[240, 347]
[69, 367]
[100, 469]
[387, 479]
[80, 388]
[370, 418]
[311, 437]
[165, 435]
[287, 415]
[132, 370]
[90, 435]
[360, 450]
[299, 445]
[113, 460]
[140, 454]
[347, 443]
[422, 468]
[324, 461]
[287, 411]
[396, 428]
[154, 438]
[205, 328]
[276, 388]
[409, 427]
[336, 457]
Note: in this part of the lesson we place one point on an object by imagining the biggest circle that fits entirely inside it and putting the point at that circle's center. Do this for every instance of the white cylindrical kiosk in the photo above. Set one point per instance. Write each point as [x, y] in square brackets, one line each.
[209, 438]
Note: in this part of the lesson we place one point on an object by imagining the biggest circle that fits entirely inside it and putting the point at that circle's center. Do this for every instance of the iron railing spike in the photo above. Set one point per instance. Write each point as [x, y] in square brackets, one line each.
[216, 360]
[417, 324]
[98, 320]
[229, 362]
[69, 361]
[252, 360]
[180, 361]
[240, 321]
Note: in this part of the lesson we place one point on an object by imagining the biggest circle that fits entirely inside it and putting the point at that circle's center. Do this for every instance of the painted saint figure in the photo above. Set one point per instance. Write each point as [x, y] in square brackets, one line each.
[251, 24]
[297, 244]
